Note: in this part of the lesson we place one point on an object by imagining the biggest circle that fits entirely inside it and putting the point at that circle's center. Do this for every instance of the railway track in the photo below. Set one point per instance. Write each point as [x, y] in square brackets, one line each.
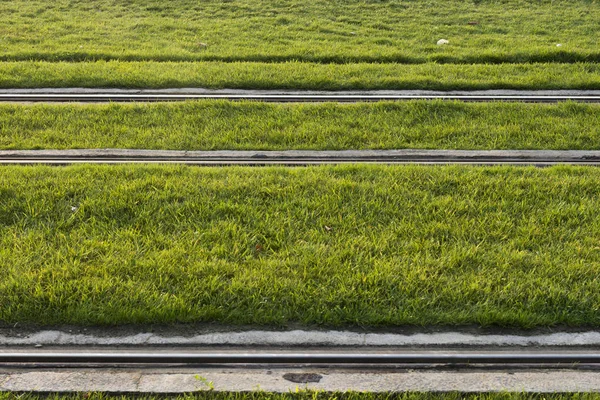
[73, 361]
[301, 157]
[338, 358]
[274, 96]
[299, 371]
[142, 369]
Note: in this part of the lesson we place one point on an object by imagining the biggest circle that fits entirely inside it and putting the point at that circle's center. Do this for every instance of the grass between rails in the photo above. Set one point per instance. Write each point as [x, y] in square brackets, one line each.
[209, 125]
[335, 246]
[299, 75]
[481, 31]
[311, 395]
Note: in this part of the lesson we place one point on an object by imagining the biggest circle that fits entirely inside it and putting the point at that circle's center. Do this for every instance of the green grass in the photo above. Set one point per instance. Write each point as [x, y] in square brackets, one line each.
[310, 395]
[341, 44]
[209, 125]
[339, 31]
[299, 75]
[333, 246]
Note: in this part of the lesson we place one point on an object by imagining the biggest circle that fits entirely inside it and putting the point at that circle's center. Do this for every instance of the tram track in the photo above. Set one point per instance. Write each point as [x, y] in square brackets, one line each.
[302, 157]
[379, 358]
[173, 369]
[212, 359]
[281, 96]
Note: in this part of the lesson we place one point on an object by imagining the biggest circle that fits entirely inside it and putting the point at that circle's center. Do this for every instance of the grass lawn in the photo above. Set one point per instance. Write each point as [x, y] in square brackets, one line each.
[311, 395]
[332, 246]
[301, 44]
[299, 75]
[340, 31]
[206, 125]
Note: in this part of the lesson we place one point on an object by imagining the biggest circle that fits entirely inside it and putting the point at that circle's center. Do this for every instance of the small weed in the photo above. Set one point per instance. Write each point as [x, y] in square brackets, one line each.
[209, 384]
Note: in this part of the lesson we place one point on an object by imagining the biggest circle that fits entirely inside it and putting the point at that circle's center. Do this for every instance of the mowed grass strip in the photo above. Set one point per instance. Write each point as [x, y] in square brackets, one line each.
[333, 246]
[340, 31]
[307, 395]
[299, 75]
[211, 125]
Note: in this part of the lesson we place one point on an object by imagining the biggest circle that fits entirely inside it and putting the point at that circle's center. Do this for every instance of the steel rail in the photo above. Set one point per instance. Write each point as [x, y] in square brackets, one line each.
[281, 98]
[300, 157]
[499, 358]
[288, 162]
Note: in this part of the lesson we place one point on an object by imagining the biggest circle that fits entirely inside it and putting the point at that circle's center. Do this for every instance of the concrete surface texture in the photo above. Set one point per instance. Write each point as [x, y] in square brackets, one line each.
[112, 337]
[149, 381]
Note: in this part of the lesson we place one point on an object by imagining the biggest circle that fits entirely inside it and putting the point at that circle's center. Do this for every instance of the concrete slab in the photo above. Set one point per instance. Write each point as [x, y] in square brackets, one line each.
[175, 337]
[78, 381]
[273, 381]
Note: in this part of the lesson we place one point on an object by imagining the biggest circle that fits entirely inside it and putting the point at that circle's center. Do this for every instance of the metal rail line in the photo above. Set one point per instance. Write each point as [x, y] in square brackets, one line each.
[280, 98]
[299, 157]
[302, 358]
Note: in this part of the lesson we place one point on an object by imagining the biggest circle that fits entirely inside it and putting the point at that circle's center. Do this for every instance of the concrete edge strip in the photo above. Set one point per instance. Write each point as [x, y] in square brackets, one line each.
[269, 92]
[103, 95]
[118, 98]
[303, 338]
[235, 380]
[302, 156]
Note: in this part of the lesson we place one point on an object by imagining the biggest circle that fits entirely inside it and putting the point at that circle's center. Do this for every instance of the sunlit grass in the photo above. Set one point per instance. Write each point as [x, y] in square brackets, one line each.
[339, 31]
[299, 75]
[207, 125]
[334, 246]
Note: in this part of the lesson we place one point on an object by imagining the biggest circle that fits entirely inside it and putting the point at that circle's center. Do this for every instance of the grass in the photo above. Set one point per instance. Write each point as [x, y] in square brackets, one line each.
[337, 31]
[310, 395]
[331, 246]
[340, 44]
[209, 125]
[299, 75]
